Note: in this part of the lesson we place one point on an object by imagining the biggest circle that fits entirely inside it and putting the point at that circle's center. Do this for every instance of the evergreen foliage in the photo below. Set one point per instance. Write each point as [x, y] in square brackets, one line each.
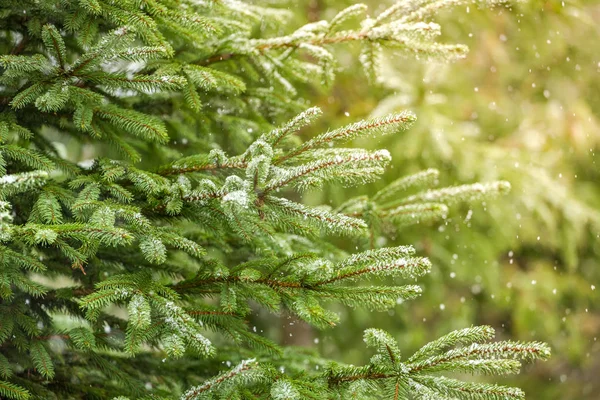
[132, 270]
[522, 107]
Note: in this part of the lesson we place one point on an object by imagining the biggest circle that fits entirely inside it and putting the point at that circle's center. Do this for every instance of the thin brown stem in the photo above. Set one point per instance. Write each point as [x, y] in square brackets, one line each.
[282, 45]
[352, 378]
[19, 47]
[201, 168]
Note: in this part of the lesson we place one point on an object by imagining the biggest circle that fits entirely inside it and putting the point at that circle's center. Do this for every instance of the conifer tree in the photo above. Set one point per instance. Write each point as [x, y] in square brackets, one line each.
[149, 160]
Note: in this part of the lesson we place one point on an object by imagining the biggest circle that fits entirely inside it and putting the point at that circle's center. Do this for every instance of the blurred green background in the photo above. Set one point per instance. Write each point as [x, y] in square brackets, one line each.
[524, 106]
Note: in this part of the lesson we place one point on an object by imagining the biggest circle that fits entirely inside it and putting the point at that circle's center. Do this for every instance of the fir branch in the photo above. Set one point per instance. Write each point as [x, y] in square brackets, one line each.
[464, 336]
[527, 351]
[301, 120]
[456, 194]
[455, 388]
[324, 170]
[12, 391]
[334, 222]
[397, 187]
[406, 267]
[139, 82]
[415, 213]
[199, 164]
[23, 63]
[240, 369]
[145, 126]
[383, 125]
[54, 43]
[41, 359]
